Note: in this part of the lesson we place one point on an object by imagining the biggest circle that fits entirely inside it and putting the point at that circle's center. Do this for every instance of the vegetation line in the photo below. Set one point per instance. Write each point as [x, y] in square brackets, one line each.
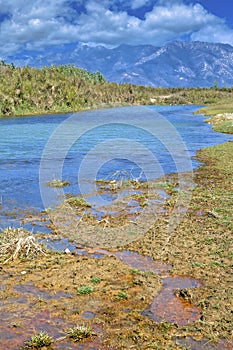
[66, 89]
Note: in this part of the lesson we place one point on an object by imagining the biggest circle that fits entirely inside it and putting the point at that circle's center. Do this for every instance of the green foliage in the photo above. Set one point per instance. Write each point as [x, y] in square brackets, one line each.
[79, 332]
[122, 295]
[78, 202]
[40, 340]
[27, 90]
[85, 290]
[135, 271]
[225, 106]
[225, 127]
[95, 280]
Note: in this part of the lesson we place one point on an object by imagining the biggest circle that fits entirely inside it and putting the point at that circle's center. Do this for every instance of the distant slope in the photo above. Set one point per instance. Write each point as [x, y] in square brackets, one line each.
[178, 64]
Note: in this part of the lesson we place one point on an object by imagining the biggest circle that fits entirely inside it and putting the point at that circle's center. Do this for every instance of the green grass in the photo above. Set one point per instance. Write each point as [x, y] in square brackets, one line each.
[95, 280]
[66, 88]
[79, 333]
[122, 295]
[217, 108]
[135, 271]
[40, 340]
[224, 127]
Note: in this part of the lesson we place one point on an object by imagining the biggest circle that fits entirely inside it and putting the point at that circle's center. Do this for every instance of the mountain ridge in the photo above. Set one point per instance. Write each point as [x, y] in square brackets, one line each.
[177, 64]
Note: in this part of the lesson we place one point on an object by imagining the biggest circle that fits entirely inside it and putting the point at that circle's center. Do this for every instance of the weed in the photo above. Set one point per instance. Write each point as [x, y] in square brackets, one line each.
[167, 186]
[197, 264]
[39, 340]
[77, 202]
[85, 290]
[79, 332]
[58, 183]
[135, 271]
[164, 326]
[122, 295]
[95, 280]
[217, 263]
[142, 200]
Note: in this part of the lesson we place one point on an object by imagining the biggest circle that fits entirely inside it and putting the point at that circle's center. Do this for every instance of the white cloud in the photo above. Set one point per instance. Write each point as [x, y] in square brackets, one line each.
[216, 34]
[41, 23]
[179, 19]
[139, 3]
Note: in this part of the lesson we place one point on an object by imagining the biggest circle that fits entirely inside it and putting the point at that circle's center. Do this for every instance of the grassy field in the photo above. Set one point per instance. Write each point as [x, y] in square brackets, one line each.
[221, 116]
[220, 108]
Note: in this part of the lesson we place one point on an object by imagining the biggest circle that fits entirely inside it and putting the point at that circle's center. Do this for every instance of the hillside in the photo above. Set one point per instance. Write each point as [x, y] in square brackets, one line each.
[177, 64]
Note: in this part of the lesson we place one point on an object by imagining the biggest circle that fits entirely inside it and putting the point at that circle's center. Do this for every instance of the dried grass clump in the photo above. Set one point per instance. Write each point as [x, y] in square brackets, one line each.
[16, 243]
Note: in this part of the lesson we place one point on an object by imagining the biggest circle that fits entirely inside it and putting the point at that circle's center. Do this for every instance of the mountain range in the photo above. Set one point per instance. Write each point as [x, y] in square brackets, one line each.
[177, 64]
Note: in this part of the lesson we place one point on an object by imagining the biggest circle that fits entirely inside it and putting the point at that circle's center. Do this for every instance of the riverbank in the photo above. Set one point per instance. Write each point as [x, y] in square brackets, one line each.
[221, 117]
[68, 89]
[60, 290]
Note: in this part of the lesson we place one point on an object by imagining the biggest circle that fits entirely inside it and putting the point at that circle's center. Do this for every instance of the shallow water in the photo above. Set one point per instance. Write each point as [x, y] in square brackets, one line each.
[203, 344]
[23, 144]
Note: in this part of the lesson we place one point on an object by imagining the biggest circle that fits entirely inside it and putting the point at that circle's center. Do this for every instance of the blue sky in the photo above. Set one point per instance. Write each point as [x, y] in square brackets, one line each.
[36, 25]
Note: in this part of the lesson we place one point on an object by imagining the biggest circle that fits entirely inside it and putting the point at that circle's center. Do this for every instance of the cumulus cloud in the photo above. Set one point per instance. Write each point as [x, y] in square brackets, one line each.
[179, 18]
[219, 33]
[39, 23]
[139, 3]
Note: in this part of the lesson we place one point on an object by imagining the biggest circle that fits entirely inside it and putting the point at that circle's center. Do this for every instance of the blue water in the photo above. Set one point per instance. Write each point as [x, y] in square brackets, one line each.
[135, 142]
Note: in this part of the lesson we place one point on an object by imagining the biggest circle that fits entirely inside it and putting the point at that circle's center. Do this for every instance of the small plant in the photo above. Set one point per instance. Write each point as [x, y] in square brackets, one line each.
[39, 340]
[58, 183]
[85, 290]
[79, 332]
[167, 186]
[135, 271]
[140, 198]
[95, 280]
[197, 264]
[217, 263]
[77, 202]
[164, 326]
[122, 295]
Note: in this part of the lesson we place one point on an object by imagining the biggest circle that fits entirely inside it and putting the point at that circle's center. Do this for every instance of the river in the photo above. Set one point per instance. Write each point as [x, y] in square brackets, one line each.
[135, 142]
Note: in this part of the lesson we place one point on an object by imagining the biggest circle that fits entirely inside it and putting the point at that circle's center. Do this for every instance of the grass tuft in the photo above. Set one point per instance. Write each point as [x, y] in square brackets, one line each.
[58, 183]
[79, 333]
[85, 290]
[39, 340]
[122, 295]
[77, 202]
